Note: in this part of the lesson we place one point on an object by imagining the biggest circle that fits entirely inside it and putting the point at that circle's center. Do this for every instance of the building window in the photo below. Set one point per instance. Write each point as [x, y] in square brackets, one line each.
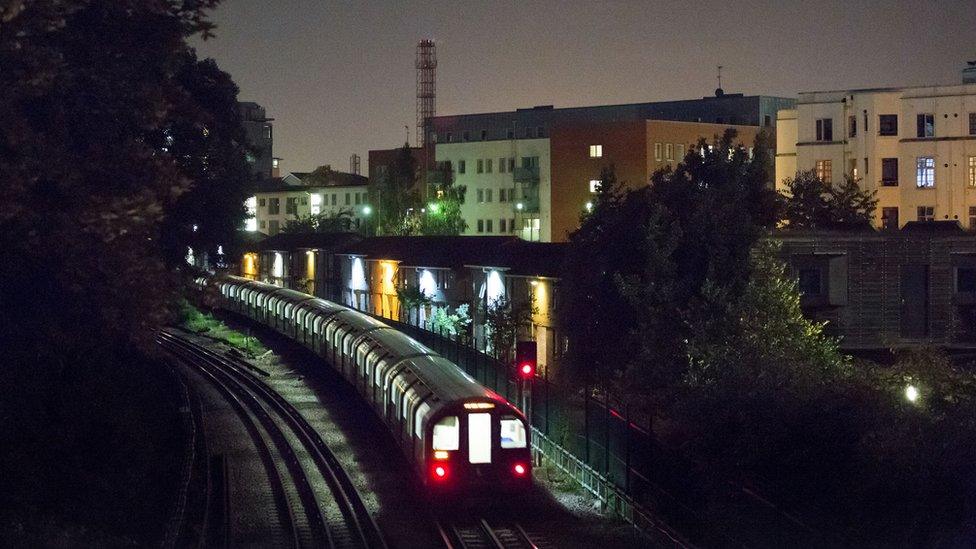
[888, 124]
[925, 172]
[501, 225]
[889, 172]
[972, 172]
[488, 224]
[481, 166]
[681, 151]
[501, 165]
[347, 199]
[487, 195]
[529, 162]
[267, 132]
[926, 213]
[511, 164]
[926, 125]
[335, 199]
[466, 136]
[264, 223]
[657, 151]
[595, 185]
[488, 165]
[357, 199]
[460, 166]
[481, 196]
[291, 205]
[866, 165]
[274, 226]
[511, 224]
[825, 129]
[274, 206]
[502, 195]
[481, 225]
[540, 132]
[484, 135]
[450, 137]
[972, 217]
[669, 151]
[851, 126]
[810, 281]
[889, 219]
[596, 151]
[865, 121]
[972, 123]
[261, 202]
[767, 120]
[825, 171]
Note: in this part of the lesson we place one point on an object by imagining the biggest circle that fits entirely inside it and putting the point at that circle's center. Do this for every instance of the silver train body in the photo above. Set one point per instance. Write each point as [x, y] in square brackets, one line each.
[459, 435]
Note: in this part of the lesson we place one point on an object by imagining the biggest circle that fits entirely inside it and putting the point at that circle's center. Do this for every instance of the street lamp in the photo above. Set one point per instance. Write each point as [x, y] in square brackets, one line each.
[367, 210]
[519, 206]
[911, 393]
[434, 207]
[589, 206]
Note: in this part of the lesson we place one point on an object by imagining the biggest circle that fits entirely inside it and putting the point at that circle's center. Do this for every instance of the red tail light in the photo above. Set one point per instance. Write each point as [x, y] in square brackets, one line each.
[519, 469]
[440, 472]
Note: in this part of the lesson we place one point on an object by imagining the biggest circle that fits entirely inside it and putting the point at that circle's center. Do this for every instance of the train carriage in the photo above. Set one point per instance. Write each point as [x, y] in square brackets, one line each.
[458, 434]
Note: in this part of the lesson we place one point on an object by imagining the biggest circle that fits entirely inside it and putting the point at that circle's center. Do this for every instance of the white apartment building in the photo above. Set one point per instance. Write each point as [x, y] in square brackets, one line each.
[916, 147]
[280, 201]
[508, 186]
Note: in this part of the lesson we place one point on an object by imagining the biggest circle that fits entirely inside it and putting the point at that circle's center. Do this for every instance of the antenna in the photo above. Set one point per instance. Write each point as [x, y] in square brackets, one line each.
[426, 65]
[720, 77]
[406, 131]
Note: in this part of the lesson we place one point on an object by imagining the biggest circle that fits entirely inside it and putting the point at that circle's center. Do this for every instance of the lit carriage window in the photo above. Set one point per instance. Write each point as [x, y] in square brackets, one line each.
[512, 432]
[447, 434]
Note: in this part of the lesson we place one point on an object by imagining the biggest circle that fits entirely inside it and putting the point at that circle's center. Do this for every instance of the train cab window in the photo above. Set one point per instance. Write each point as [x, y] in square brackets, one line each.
[512, 433]
[447, 434]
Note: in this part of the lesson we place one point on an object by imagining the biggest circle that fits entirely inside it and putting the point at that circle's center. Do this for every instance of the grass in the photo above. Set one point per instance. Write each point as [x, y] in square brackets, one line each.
[205, 324]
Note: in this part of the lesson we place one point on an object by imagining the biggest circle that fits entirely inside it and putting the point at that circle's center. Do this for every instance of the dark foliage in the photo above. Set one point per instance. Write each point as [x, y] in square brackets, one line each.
[809, 203]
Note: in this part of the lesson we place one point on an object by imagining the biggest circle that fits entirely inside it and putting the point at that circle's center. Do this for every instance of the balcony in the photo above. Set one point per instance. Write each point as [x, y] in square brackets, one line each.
[526, 198]
[526, 175]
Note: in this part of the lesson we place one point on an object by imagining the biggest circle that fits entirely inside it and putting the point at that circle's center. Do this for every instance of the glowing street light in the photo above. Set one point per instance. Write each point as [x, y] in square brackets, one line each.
[519, 206]
[367, 210]
[589, 206]
[434, 207]
[911, 393]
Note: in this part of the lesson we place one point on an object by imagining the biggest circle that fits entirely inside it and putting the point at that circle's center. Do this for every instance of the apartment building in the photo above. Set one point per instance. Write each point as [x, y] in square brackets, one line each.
[915, 147]
[520, 140]
[280, 201]
[636, 149]
[260, 136]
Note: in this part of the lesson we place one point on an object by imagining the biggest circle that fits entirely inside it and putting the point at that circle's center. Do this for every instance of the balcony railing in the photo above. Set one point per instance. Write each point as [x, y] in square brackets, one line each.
[526, 175]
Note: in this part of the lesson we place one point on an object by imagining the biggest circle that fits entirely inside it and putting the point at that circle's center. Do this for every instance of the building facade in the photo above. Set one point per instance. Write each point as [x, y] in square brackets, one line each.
[280, 201]
[915, 147]
[260, 136]
[509, 155]
[635, 149]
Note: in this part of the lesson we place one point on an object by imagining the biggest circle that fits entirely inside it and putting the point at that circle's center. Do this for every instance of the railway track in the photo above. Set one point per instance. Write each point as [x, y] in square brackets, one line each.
[482, 534]
[273, 423]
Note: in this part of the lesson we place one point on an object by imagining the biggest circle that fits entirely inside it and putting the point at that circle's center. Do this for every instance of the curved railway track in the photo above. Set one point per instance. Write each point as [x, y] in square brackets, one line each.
[270, 420]
[481, 534]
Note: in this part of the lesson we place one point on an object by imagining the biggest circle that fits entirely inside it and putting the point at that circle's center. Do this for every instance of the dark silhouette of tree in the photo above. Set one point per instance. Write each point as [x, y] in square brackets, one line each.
[395, 194]
[332, 222]
[809, 203]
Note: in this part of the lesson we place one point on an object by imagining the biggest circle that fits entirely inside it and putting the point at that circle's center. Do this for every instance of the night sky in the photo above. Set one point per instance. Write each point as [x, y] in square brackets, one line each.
[338, 78]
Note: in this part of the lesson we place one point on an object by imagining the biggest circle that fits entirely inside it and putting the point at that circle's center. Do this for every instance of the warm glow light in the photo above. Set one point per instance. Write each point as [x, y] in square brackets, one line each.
[478, 405]
[589, 206]
[519, 469]
[441, 454]
[911, 393]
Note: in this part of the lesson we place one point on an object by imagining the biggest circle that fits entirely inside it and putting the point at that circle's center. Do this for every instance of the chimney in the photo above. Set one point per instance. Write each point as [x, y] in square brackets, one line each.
[969, 73]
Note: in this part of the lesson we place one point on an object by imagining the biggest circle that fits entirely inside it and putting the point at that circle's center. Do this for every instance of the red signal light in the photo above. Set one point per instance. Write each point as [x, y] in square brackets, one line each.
[519, 469]
[525, 358]
[440, 472]
[527, 369]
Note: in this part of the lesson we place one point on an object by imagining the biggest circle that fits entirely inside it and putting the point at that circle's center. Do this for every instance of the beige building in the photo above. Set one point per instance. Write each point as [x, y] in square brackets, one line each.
[279, 201]
[916, 147]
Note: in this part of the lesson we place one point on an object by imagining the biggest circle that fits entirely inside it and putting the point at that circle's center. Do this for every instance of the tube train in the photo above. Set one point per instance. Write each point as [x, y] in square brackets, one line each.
[459, 435]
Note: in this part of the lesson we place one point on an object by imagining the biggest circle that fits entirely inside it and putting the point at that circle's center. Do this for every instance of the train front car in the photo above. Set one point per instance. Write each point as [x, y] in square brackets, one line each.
[474, 442]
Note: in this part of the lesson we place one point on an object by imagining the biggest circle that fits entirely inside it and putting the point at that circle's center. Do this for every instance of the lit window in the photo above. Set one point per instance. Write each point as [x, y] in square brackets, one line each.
[926, 213]
[595, 185]
[657, 152]
[824, 170]
[972, 171]
[925, 172]
[681, 151]
[447, 434]
[669, 151]
[512, 433]
[596, 151]
[274, 162]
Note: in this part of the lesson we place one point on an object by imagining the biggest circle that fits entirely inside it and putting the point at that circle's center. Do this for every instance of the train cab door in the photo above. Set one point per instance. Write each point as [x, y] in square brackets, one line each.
[480, 437]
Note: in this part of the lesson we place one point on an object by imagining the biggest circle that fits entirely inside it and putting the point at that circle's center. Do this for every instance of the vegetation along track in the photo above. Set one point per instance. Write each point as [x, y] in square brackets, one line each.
[244, 391]
[480, 534]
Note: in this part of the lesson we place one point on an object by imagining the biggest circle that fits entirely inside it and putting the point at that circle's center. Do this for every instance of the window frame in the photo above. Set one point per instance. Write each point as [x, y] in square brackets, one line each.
[923, 128]
[924, 172]
[824, 129]
[596, 151]
[886, 182]
[887, 129]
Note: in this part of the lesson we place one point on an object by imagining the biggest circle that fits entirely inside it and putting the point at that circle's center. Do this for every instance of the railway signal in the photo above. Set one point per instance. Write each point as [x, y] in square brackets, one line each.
[525, 358]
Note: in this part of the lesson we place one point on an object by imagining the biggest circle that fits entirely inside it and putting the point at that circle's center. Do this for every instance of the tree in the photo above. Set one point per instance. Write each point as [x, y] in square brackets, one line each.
[504, 322]
[442, 216]
[395, 195]
[810, 203]
[331, 222]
